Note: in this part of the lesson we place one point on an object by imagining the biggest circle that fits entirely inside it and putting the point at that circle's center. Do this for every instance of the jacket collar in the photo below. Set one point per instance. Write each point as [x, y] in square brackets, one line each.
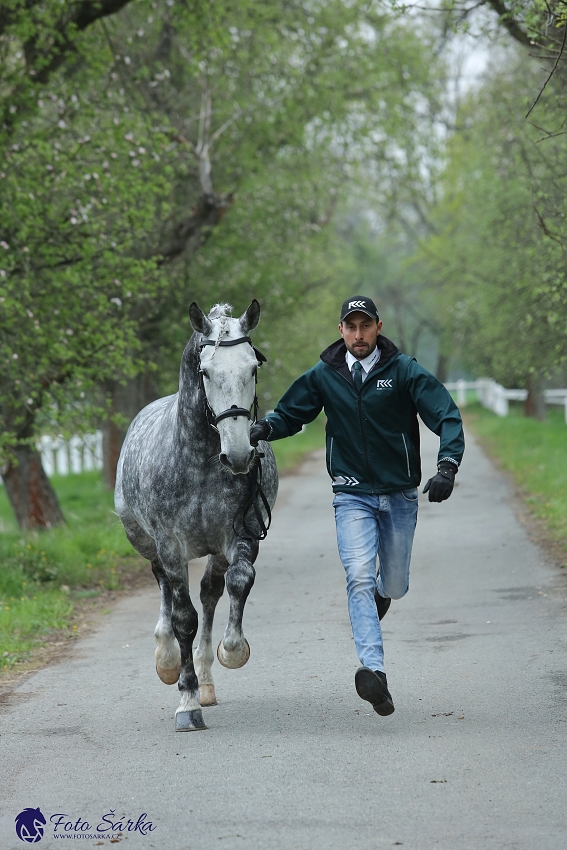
[334, 355]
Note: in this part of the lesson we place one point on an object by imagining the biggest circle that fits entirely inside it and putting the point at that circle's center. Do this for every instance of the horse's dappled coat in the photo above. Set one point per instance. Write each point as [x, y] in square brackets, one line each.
[180, 484]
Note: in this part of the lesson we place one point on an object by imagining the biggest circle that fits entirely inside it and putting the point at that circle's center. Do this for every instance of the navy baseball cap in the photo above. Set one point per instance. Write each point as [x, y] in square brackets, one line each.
[361, 304]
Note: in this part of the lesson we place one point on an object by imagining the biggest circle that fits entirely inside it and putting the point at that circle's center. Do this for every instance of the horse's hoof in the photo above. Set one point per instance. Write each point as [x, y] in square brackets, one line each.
[168, 677]
[189, 721]
[233, 660]
[207, 695]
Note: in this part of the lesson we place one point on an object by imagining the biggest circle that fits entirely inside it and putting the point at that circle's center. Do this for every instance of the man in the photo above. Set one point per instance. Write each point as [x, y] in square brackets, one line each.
[371, 394]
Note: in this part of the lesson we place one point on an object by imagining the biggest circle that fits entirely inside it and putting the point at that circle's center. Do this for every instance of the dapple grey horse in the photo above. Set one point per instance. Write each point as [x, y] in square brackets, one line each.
[180, 490]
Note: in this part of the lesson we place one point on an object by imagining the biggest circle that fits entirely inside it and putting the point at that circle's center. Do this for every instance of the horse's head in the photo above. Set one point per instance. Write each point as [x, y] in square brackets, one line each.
[229, 378]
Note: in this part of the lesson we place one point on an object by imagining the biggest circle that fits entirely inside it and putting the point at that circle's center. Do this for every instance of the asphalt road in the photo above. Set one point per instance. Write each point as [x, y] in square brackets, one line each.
[474, 758]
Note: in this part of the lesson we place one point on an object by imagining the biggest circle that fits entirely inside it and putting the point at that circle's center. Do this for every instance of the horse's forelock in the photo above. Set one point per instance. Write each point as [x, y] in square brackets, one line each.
[219, 311]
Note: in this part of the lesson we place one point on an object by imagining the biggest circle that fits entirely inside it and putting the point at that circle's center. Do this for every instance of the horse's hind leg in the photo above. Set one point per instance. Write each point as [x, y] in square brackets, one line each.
[212, 587]
[234, 650]
[184, 620]
[168, 656]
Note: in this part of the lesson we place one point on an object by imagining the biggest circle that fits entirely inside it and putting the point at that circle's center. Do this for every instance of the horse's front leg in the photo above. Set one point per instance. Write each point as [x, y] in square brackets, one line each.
[184, 620]
[212, 587]
[233, 650]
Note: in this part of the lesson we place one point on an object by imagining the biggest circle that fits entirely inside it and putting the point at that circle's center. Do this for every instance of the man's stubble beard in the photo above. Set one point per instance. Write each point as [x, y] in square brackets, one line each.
[360, 355]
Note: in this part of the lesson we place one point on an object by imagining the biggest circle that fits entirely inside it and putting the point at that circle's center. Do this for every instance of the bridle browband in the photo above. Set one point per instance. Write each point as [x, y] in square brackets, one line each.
[254, 475]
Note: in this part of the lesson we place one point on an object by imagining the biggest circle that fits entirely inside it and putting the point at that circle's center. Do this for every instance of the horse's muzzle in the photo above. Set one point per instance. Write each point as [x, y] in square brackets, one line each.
[238, 464]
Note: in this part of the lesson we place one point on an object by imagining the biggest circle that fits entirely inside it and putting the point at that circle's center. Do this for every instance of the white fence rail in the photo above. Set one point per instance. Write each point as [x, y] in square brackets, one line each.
[64, 457]
[496, 397]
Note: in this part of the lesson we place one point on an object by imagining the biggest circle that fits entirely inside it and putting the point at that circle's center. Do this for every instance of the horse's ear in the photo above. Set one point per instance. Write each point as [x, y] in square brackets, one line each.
[250, 317]
[199, 321]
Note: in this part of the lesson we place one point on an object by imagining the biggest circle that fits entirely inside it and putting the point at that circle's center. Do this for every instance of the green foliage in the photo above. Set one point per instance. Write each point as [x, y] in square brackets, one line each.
[266, 109]
[497, 250]
[536, 454]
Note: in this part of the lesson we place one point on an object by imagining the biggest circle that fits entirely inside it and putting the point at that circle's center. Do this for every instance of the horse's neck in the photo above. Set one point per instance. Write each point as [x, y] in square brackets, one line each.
[191, 409]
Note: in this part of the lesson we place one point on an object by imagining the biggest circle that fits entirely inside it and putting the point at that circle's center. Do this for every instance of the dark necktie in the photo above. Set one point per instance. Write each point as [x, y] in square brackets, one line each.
[357, 375]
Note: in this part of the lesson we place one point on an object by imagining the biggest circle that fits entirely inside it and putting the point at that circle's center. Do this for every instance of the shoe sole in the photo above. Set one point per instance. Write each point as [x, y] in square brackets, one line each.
[370, 688]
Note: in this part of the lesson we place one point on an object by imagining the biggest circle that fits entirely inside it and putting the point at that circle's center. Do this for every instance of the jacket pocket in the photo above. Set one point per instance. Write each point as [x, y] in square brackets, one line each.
[410, 495]
[406, 451]
[330, 448]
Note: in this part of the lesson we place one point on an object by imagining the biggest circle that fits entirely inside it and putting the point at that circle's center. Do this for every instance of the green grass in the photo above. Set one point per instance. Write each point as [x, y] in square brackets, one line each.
[291, 451]
[43, 573]
[536, 454]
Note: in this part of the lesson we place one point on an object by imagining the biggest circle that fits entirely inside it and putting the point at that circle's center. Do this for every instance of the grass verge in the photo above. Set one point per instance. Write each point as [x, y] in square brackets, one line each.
[45, 574]
[535, 453]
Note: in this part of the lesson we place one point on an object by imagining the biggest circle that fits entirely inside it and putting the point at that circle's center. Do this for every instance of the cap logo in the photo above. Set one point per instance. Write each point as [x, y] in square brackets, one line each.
[352, 304]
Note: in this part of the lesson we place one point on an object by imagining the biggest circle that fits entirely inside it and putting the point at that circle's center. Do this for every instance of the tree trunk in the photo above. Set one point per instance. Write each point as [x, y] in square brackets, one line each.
[442, 367]
[535, 403]
[30, 493]
[127, 400]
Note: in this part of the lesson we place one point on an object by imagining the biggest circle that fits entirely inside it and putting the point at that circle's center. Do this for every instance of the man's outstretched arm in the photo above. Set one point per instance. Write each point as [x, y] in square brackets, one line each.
[441, 415]
[299, 405]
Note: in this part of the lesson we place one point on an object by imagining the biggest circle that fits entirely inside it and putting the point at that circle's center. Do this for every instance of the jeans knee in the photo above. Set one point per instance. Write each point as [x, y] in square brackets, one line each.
[360, 584]
[394, 590]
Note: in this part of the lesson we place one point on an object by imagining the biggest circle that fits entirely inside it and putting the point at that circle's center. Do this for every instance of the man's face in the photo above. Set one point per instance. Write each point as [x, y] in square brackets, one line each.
[360, 334]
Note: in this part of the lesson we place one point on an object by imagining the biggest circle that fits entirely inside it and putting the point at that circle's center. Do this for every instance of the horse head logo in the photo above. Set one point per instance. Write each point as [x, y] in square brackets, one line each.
[29, 825]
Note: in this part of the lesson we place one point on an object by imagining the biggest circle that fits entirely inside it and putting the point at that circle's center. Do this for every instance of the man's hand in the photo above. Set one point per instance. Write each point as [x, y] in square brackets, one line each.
[260, 430]
[440, 486]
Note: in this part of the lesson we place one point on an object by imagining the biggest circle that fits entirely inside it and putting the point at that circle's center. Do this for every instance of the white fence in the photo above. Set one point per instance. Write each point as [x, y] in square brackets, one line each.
[79, 454]
[496, 397]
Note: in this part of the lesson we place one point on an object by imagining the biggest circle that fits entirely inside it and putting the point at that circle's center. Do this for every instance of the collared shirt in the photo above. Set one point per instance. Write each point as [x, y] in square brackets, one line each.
[367, 364]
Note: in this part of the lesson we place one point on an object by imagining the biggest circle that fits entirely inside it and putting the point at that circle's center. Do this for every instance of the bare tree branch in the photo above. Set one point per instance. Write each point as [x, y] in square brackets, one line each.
[508, 21]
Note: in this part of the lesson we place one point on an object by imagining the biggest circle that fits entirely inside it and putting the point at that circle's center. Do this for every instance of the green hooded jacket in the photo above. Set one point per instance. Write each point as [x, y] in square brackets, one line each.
[372, 435]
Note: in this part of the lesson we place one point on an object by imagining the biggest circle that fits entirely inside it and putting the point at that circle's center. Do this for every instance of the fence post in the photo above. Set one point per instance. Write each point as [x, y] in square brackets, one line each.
[461, 392]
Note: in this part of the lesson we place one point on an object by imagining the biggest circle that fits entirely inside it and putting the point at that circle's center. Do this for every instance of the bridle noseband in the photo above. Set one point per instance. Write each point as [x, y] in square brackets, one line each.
[256, 495]
[233, 411]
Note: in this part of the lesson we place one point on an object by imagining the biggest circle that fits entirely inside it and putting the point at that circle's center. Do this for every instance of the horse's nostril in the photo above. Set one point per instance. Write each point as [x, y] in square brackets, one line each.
[224, 460]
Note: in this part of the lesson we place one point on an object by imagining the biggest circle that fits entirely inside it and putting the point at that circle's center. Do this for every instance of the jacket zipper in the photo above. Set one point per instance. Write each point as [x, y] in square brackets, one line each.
[331, 459]
[364, 438]
[407, 455]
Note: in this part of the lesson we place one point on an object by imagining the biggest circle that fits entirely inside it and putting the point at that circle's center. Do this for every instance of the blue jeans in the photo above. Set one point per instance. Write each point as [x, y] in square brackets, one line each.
[368, 526]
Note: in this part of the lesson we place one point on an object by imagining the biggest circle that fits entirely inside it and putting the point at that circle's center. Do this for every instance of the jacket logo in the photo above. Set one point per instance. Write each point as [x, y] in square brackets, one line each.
[346, 480]
[384, 383]
[352, 304]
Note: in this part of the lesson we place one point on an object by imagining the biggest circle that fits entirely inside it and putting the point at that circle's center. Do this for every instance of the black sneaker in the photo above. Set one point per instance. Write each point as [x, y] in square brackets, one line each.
[382, 604]
[372, 686]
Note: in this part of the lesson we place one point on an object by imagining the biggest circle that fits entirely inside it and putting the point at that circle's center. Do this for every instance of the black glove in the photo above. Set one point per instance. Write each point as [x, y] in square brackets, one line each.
[260, 430]
[440, 486]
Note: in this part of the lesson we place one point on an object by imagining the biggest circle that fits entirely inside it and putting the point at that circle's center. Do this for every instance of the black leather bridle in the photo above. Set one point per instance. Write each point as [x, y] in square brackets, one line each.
[232, 411]
[254, 474]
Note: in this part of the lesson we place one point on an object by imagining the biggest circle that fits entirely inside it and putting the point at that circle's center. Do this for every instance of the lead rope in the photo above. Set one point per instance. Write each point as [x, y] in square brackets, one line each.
[252, 503]
[256, 493]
